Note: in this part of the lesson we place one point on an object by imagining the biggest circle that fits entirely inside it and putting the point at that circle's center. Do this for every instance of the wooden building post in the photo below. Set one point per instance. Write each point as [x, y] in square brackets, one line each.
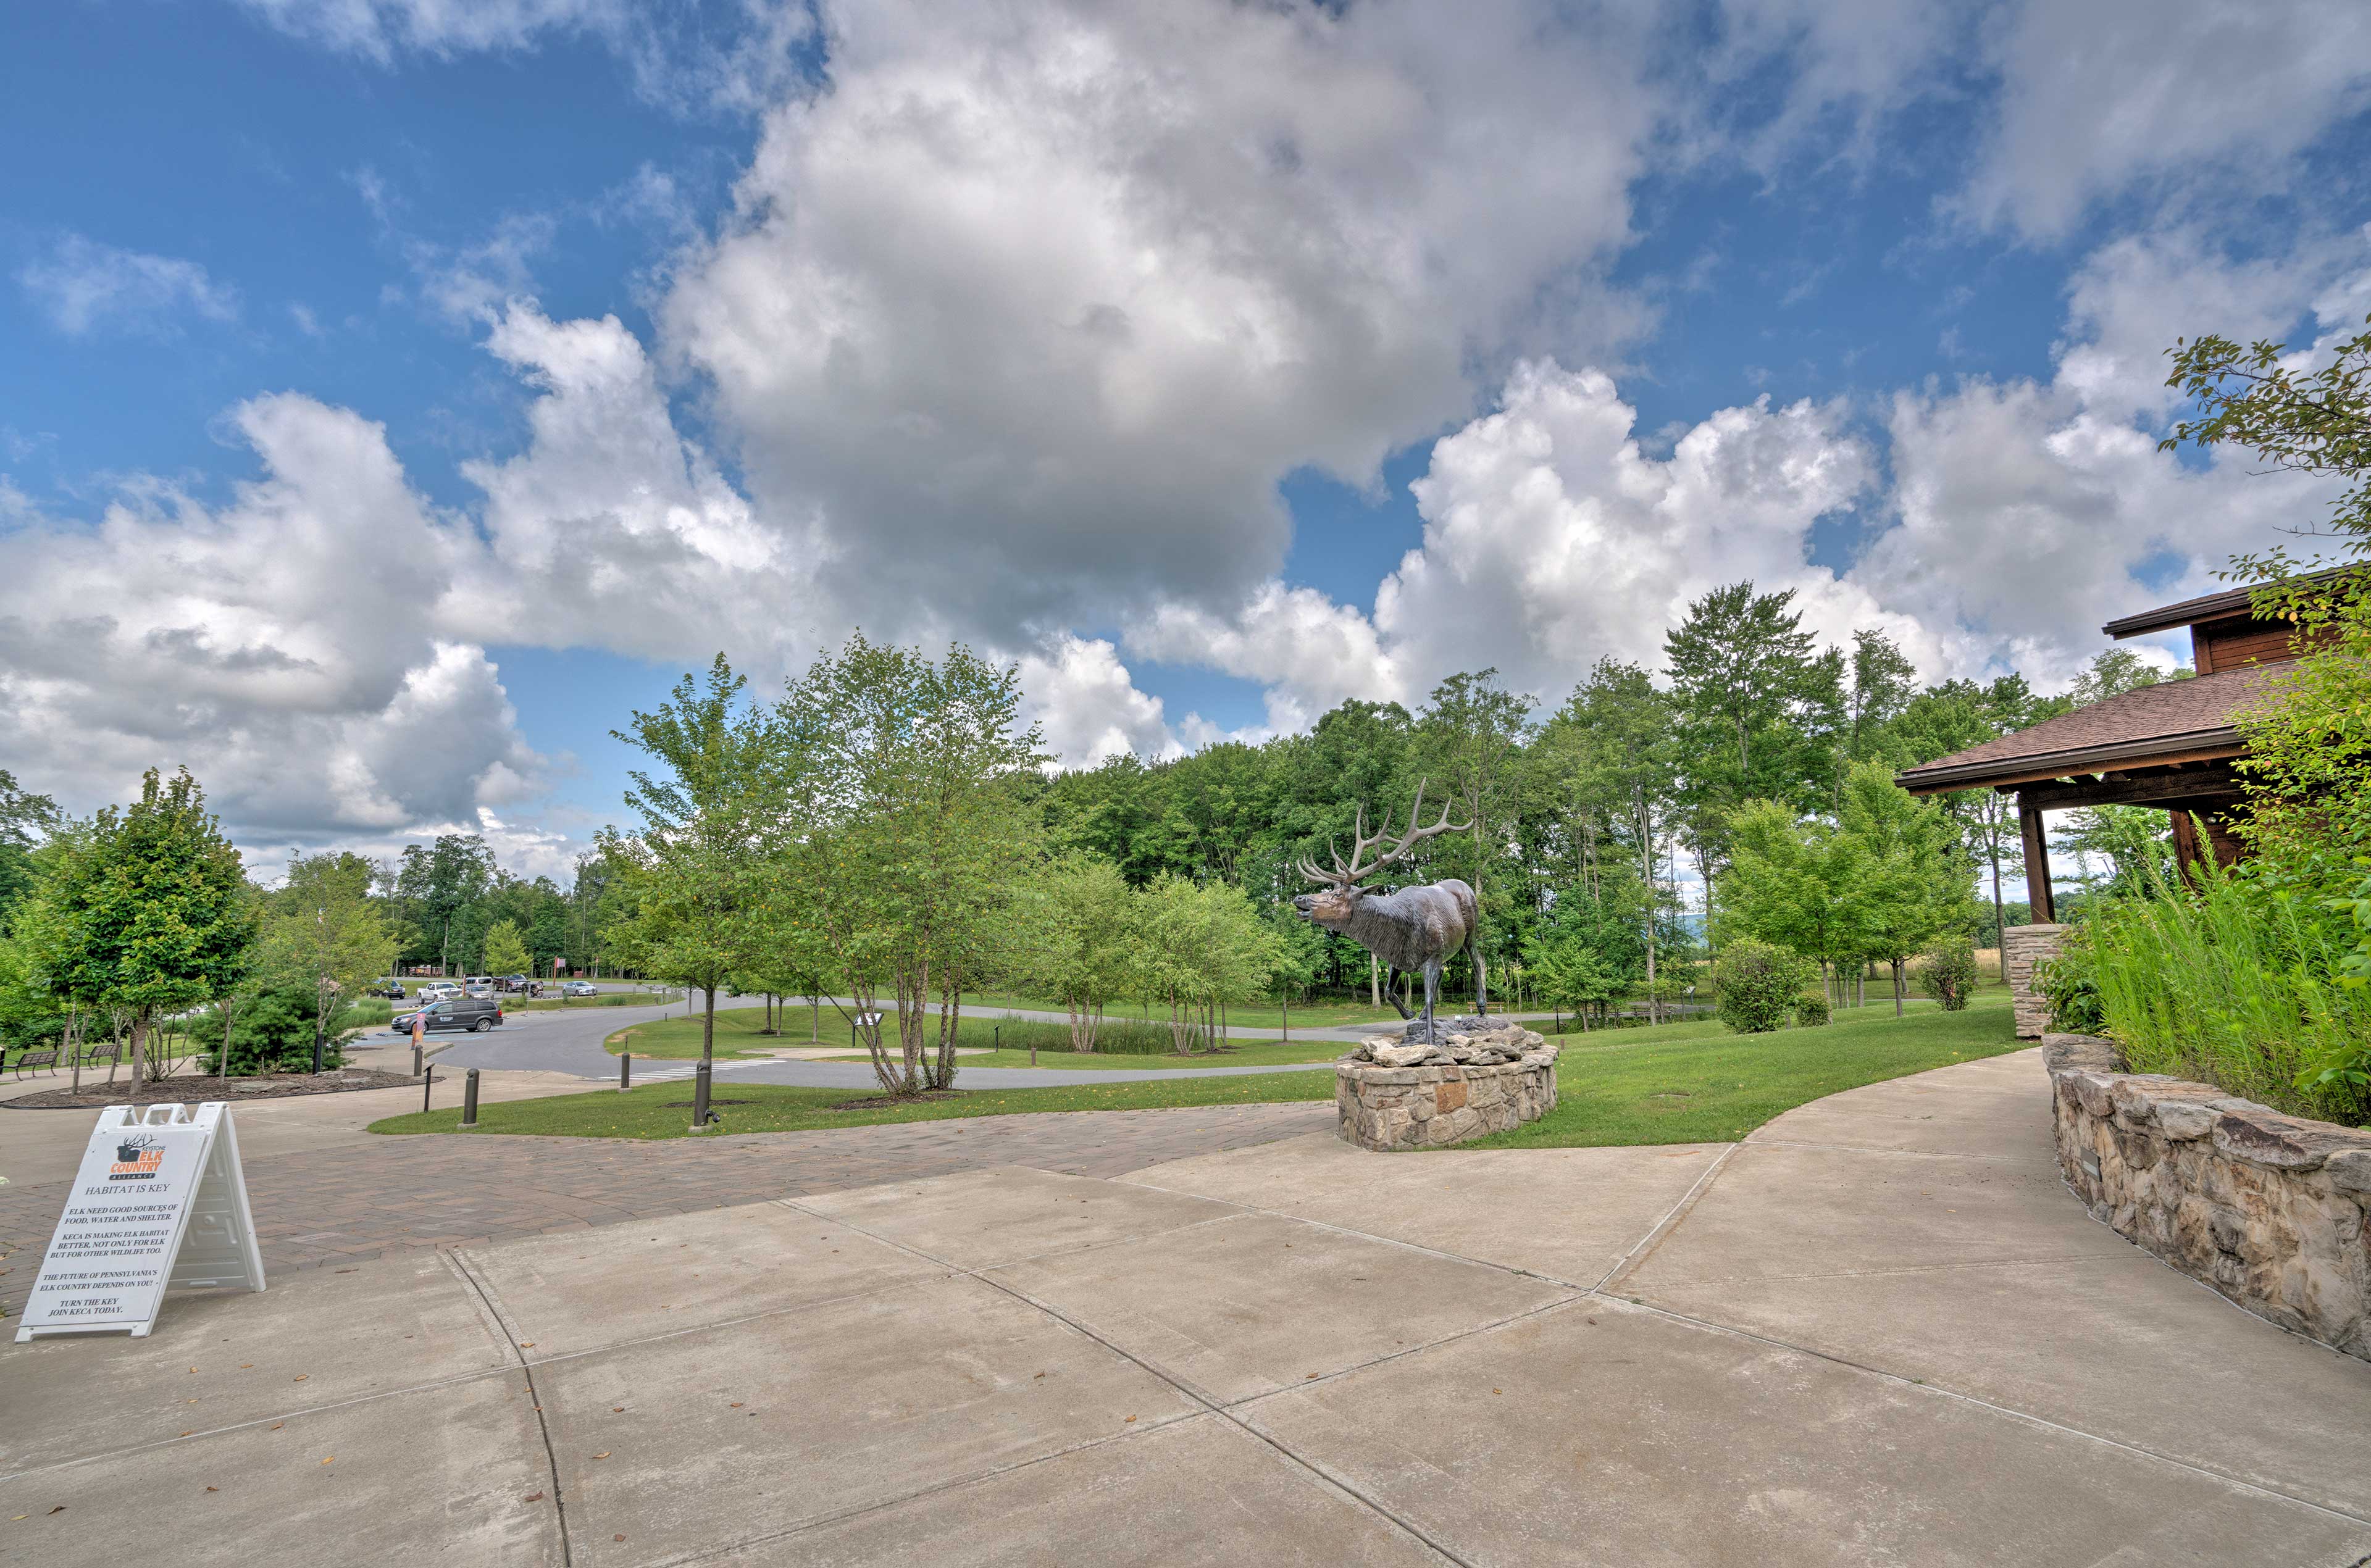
[2041, 909]
[2185, 844]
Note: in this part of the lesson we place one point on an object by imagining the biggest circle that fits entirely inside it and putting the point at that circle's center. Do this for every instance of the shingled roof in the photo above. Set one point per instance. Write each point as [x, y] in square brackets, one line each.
[2153, 726]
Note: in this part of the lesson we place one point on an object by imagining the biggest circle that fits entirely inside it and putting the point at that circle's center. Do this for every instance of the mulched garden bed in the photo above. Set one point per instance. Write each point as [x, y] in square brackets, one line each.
[192, 1090]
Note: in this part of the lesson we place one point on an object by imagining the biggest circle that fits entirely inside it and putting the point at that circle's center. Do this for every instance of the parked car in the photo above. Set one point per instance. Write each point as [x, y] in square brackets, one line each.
[482, 990]
[514, 982]
[579, 988]
[392, 990]
[438, 991]
[475, 1016]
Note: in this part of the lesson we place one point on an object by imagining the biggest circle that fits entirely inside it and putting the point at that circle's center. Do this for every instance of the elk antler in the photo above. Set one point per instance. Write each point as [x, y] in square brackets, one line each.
[1346, 874]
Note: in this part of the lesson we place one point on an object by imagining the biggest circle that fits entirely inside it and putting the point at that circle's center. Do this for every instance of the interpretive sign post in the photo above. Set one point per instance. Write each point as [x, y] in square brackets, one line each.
[159, 1204]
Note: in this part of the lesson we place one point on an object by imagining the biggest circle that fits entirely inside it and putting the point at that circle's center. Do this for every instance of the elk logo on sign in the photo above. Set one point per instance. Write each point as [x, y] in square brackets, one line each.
[136, 1158]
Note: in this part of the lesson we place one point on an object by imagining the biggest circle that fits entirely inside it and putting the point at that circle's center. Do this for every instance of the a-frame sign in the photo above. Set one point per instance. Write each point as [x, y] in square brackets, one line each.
[159, 1204]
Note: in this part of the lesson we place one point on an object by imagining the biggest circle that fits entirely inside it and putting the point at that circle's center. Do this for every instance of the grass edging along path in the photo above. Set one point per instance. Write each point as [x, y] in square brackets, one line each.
[1679, 1083]
[1697, 1083]
[646, 1114]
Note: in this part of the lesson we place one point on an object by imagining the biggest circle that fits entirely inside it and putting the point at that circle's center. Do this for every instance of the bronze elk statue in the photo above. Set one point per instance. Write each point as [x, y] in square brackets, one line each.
[1414, 931]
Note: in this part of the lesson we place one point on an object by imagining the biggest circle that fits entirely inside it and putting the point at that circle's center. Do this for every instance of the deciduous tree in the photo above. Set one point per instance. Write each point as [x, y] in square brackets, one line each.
[916, 828]
[698, 878]
[153, 916]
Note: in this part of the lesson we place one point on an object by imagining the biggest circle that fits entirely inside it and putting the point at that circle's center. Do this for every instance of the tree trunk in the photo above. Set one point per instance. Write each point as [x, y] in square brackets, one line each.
[1646, 869]
[2000, 915]
[139, 1040]
[1374, 982]
[1899, 975]
[949, 1026]
[708, 1026]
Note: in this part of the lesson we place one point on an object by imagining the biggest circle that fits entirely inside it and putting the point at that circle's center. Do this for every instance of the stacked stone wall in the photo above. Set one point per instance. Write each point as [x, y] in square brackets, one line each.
[2022, 947]
[1398, 1108]
[2272, 1211]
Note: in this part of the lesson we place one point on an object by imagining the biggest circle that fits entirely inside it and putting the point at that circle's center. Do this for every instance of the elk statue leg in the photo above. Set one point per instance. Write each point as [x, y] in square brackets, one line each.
[1392, 989]
[1431, 990]
[1481, 987]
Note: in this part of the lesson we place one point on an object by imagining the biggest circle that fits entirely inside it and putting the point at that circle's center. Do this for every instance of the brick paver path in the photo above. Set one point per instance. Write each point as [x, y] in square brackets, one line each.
[377, 1195]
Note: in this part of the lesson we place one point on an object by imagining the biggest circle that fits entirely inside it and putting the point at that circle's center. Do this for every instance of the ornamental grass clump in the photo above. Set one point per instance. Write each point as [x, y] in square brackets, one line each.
[2237, 982]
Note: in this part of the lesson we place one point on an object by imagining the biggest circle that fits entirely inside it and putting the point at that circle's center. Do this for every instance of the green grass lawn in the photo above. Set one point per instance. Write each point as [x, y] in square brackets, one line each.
[1697, 1083]
[1311, 1015]
[677, 1038]
[1676, 1083]
[606, 999]
[738, 1036]
[645, 1113]
[1257, 1054]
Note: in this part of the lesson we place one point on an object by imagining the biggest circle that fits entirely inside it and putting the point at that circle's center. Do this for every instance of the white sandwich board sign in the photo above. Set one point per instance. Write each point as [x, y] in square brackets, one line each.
[159, 1204]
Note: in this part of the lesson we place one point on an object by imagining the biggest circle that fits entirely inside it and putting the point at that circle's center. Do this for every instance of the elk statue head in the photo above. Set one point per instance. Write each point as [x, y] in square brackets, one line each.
[1336, 905]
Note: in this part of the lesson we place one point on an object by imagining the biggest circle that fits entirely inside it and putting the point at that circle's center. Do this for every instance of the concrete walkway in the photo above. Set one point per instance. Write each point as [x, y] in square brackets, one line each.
[1878, 1330]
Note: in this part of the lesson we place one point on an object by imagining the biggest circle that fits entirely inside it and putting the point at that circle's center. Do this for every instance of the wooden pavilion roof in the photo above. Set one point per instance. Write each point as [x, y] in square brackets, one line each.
[2154, 726]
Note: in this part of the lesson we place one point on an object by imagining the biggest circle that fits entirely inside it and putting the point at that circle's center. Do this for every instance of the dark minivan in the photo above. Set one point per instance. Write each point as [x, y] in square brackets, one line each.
[455, 1013]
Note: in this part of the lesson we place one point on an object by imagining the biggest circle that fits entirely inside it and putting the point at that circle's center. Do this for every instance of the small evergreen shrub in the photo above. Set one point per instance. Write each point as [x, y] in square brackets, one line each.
[1947, 972]
[1811, 1009]
[272, 1032]
[1758, 985]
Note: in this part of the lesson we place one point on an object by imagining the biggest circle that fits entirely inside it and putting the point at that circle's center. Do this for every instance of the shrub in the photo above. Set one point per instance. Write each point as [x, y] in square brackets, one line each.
[2070, 983]
[1947, 972]
[272, 1032]
[1757, 983]
[1811, 1009]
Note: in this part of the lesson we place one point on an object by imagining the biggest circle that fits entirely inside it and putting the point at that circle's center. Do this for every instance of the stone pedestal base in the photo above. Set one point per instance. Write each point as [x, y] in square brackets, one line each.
[1391, 1107]
[2022, 947]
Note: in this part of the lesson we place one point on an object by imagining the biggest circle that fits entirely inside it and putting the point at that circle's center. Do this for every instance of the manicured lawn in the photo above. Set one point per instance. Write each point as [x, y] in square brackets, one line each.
[772, 1107]
[1260, 1054]
[677, 1038]
[1678, 1083]
[1698, 1083]
[606, 999]
[1311, 1015]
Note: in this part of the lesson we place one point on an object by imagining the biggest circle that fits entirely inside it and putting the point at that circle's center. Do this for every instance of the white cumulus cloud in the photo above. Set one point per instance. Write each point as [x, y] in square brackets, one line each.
[82, 285]
[289, 646]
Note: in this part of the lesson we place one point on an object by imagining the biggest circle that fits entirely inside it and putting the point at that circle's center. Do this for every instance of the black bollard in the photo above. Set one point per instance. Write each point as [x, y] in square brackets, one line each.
[702, 1116]
[625, 1071]
[469, 1099]
[427, 1089]
[415, 1058]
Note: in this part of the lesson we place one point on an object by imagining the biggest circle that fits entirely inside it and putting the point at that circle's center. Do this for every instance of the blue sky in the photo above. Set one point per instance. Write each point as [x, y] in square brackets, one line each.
[391, 401]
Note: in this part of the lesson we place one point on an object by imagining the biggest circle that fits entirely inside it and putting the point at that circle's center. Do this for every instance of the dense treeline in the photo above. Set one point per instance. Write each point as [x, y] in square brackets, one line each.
[889, 828]
[1602, 818]
[456, 912]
